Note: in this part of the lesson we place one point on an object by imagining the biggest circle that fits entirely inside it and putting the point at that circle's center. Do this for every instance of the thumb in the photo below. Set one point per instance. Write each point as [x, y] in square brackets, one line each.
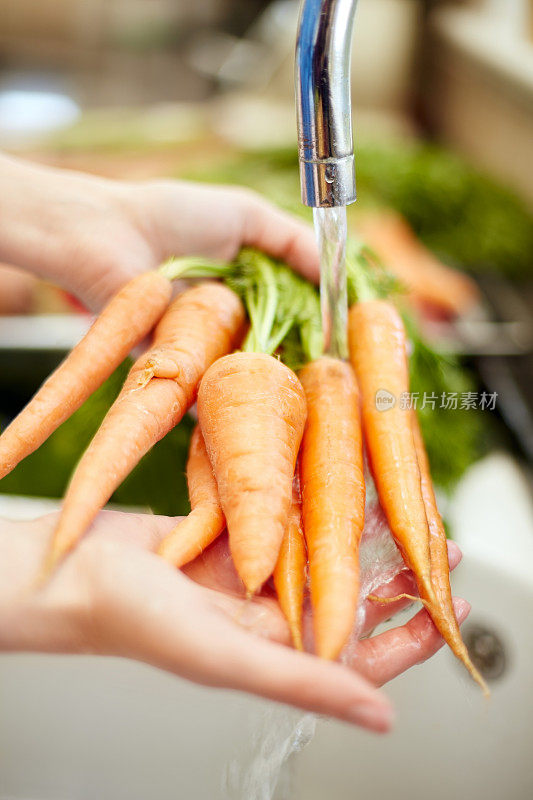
[281, 236]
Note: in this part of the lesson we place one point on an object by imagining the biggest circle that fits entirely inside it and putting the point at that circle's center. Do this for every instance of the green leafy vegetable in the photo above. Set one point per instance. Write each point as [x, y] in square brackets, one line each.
[283, 308]
[467, 218]
[455, 437]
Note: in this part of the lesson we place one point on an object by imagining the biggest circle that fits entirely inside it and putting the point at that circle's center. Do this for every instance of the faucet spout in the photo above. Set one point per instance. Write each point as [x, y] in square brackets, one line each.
[323, 102]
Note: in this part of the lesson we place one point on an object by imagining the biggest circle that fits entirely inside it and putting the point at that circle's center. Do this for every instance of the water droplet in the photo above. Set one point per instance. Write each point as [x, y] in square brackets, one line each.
[329, 173]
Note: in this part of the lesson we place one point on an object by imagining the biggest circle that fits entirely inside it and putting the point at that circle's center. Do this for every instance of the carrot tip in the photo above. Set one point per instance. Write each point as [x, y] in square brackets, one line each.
[45, 573]
[165, 554]
[462, 655]
[477, 676]
[328, 654]
[297, 640]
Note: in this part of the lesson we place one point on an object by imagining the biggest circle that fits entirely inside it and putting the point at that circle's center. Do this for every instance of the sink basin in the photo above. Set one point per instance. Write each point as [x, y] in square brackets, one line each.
[83, 728]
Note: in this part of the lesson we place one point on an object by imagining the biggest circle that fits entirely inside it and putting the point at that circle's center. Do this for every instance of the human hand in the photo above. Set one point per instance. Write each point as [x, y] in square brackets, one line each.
[91, 235]
[379, 658]
[17, 290]
[114, 596]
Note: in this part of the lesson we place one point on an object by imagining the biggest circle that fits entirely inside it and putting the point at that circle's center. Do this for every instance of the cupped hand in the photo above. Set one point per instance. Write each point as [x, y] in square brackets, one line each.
[113, 595]
[91, 235]
[379, 658]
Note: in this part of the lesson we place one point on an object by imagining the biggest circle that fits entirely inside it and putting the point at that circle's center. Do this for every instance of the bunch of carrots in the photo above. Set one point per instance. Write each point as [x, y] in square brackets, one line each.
[277, 455]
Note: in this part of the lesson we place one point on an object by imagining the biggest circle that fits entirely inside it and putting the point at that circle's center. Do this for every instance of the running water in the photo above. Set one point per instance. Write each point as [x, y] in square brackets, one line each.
[264, 772]
[263, 768]
[330, 229]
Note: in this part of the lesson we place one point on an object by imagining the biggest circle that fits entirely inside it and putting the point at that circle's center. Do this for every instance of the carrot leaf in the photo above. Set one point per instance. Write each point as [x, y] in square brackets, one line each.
[193, 267]
[274, 298]
[368, 278]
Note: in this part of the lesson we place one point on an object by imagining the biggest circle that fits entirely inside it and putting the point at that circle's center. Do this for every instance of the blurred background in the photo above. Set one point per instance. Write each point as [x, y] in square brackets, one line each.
[459, 71]
[443, 120]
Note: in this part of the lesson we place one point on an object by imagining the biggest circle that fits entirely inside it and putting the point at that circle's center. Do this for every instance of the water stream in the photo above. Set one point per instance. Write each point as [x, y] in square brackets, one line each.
[265, 771]
[330, 229]
[263, 768]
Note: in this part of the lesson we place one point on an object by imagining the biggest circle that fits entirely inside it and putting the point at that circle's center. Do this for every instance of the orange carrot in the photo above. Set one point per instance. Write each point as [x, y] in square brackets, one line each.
[206, 521]
[430, 282]
[125, 321]
[202, 324]
[251, 409]
[290, 570]
[333, 498]
[442, 612]
[379, 356]
[399, 462]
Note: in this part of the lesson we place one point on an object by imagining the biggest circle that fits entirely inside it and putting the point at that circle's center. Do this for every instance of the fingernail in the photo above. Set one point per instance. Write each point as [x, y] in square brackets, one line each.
[375, 716]
[461, 608]
[454, 551]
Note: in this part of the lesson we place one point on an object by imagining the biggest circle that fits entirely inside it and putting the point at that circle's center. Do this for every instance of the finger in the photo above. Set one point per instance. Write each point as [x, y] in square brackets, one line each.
[454, 553]
[384, 657]
[375, 613]
[169, 622]
[280, 235]
[278, 673]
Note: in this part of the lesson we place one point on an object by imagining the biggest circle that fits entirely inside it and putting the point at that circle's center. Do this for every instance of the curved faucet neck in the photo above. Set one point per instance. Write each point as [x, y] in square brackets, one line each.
[323, 102]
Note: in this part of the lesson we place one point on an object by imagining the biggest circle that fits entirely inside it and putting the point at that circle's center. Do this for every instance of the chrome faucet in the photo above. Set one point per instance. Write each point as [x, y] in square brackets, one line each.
[323, 102]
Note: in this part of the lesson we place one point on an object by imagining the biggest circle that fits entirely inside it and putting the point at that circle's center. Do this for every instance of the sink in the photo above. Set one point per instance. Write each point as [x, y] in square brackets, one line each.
[80, 728]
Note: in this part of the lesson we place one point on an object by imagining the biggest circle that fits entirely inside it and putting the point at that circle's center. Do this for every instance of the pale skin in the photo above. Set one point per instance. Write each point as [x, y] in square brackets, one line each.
[91, 235]
[113, 595]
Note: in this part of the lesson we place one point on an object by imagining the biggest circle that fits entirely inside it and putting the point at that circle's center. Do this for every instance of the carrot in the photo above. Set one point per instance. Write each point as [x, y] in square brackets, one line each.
[399, 462]
[252, 412]
[430, 282]
[206, 521]
[442, 612]
[125, 321]
[202, 324]
[333, 498]
[291, 568]
[378, 352]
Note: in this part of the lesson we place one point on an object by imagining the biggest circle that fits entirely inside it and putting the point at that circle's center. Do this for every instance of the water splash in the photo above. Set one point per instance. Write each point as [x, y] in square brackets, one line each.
[331, 231]
[264, 771]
